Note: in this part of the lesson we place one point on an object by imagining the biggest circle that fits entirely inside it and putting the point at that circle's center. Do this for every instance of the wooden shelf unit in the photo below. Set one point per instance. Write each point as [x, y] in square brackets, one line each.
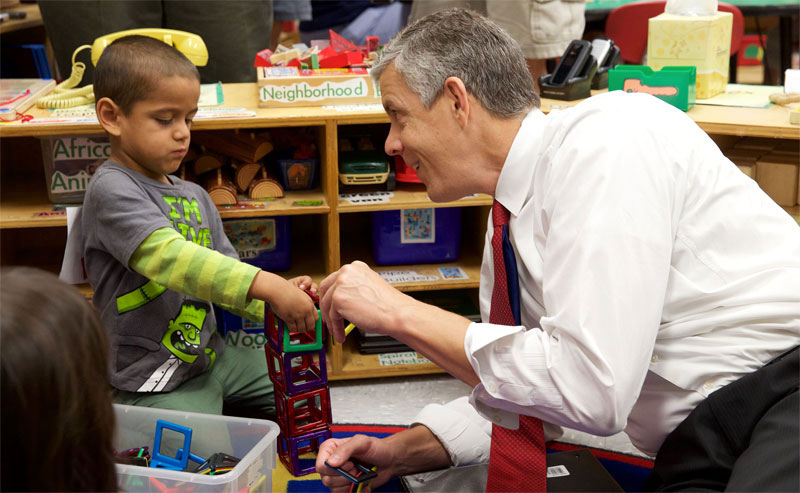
[324, 236]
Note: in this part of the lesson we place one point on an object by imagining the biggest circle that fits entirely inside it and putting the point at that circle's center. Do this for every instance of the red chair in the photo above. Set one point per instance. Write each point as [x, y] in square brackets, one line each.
[627, 27]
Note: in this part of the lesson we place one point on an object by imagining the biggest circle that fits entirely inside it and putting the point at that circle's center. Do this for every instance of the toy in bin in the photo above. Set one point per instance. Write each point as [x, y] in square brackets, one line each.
[416, 236]
[261, 241]
[297, 174]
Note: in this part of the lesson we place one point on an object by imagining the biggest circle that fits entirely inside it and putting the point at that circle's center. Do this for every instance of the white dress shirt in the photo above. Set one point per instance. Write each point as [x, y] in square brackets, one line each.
[651, 272]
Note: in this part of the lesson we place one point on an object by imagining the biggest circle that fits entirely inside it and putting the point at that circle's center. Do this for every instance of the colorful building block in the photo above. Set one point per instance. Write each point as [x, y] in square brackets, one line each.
[297, 368]
[279, 337]
[303, 413]
[290, 449]
[295, 373]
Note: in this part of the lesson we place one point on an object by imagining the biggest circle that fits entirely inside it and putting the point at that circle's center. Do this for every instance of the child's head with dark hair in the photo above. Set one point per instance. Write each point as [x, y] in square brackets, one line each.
[130, 68]
[146, 94]
[58, 420]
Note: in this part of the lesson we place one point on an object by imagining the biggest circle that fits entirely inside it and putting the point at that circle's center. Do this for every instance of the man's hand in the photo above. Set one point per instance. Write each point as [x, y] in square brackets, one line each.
[369, 450]
[357, 293]
[409, 451]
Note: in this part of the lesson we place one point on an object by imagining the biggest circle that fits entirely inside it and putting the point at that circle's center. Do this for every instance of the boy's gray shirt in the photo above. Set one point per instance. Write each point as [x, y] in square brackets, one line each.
[158, 337]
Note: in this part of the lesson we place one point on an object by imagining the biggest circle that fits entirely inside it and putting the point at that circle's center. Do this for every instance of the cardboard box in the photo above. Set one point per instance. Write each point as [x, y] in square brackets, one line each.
[776, 174]
[747, 167]
[280, 87]
[702, 41]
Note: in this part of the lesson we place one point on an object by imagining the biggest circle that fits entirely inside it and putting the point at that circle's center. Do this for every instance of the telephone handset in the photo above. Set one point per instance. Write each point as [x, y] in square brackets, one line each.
[66, 96]
[191, 45]
[573, 62]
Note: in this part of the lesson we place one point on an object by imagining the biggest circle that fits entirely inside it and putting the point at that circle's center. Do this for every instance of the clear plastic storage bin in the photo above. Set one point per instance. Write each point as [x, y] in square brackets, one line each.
[251, 440]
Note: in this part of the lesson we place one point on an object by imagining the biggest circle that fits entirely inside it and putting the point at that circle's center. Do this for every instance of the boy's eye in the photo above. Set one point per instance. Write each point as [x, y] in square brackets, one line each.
[188, 122]
[163, 122]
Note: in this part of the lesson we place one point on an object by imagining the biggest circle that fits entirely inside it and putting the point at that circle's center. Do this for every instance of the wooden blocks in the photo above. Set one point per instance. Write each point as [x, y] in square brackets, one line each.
[227, 163]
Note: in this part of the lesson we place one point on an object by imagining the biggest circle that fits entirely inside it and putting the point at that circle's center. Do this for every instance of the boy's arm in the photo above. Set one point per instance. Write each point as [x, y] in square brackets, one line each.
[168, 259]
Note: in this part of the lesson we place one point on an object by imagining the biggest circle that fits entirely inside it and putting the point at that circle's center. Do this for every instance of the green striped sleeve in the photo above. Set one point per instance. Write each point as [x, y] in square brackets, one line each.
[167, 259]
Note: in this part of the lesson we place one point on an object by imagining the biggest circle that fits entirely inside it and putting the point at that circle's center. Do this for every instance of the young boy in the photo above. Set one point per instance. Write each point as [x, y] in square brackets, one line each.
[155, 252]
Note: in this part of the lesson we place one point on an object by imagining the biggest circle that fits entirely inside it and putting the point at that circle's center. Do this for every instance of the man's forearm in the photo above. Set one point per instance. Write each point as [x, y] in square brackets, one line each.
[418, 450]
[439, 336]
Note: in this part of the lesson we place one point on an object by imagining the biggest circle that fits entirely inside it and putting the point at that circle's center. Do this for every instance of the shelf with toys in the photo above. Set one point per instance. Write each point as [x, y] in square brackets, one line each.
[328, 231]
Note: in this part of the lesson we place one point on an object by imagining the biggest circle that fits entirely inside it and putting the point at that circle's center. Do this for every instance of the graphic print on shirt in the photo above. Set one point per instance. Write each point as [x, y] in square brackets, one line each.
[180, 214]
[182, 339]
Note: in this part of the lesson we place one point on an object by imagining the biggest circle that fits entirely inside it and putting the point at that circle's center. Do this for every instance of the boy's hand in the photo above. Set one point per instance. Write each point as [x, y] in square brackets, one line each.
[304, 282]
[289, 303]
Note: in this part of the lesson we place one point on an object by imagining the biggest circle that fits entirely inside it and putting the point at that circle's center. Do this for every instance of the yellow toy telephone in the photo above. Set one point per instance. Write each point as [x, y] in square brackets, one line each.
[66, 96]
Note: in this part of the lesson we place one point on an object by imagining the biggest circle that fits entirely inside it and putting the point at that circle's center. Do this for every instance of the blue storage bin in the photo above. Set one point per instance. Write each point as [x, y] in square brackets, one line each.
[238, 331]
[416, 236]
[261, 241]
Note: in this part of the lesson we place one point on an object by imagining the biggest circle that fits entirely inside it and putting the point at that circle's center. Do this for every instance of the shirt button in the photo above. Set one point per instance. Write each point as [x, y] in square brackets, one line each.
[708, 385]
[654, 358]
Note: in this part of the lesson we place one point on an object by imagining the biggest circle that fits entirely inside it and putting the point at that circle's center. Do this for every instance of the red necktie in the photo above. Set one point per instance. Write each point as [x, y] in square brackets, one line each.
[517, 460]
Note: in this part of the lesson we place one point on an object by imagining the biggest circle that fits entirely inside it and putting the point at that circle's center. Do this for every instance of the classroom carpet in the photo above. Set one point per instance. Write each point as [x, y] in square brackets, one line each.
[629, 471]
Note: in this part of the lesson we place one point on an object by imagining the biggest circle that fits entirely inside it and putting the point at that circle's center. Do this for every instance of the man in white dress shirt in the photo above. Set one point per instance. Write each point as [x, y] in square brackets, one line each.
[656, 280]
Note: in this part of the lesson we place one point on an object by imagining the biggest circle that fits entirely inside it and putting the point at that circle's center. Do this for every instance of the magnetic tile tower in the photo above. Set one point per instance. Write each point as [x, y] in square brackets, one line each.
[296, 363]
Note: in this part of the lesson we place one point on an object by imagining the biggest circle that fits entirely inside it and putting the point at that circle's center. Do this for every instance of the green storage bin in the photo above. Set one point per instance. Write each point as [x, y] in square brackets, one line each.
[675, 85]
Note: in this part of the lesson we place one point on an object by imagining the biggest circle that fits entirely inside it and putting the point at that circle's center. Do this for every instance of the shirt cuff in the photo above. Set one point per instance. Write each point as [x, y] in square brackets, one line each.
[459, 428]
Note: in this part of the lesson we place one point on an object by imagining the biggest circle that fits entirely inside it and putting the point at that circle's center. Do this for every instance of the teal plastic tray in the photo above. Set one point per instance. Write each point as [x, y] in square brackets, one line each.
[675, 85]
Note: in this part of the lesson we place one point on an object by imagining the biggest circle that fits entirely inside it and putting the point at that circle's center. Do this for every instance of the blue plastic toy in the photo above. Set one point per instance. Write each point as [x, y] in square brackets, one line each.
[181, 459]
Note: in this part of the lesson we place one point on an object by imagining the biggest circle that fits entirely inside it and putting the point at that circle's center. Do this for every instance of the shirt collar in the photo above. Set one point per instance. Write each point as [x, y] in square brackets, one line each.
[520, 162]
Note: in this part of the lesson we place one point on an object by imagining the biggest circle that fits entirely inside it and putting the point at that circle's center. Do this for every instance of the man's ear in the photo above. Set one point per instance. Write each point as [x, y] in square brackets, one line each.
[457, 97]
[108, 114]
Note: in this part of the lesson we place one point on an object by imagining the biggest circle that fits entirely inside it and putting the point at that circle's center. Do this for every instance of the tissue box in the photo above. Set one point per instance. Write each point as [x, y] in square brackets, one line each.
[702, 41]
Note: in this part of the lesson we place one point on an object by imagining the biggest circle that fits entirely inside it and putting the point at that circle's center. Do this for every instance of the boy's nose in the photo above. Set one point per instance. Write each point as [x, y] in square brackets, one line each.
[182, 131]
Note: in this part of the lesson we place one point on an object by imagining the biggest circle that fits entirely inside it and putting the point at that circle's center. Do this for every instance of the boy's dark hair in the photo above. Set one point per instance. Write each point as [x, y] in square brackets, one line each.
[130, 67]
[58, 420]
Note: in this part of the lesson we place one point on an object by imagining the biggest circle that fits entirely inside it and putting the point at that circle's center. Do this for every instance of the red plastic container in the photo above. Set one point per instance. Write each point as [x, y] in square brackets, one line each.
[404, 173]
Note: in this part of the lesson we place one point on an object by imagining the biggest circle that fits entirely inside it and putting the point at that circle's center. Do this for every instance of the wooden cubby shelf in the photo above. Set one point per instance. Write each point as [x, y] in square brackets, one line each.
[325, 236]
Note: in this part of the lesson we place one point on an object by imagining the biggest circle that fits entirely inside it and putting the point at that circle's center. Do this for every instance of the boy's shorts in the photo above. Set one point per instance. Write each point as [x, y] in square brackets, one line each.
[239, 377]
[543, 28]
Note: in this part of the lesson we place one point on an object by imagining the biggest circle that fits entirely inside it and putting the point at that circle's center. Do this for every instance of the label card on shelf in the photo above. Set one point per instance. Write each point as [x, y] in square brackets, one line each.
[395, 276]
[452, 273]
[404, 358]
[367, 198]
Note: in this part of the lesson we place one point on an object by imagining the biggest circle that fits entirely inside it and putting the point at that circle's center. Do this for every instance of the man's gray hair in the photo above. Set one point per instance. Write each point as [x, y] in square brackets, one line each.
[461, 43]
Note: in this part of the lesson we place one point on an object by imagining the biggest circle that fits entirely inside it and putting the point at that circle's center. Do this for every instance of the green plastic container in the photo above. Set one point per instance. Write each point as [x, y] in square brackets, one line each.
[675, 85]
